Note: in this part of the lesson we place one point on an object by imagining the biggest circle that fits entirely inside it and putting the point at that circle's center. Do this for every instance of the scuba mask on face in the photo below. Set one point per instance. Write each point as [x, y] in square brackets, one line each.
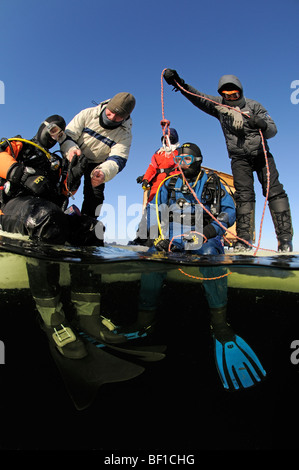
[191, 155]
[50, 131]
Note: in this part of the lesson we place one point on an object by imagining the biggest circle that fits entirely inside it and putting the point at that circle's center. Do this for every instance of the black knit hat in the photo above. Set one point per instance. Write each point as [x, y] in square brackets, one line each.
[173, 136]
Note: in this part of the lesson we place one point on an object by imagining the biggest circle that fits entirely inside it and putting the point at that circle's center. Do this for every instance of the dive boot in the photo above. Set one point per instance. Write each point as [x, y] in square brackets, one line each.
[90, 321]
[101, 328]
[65, 340]
[143, 326]
[245, 213]
[281, 216]
[58, 329]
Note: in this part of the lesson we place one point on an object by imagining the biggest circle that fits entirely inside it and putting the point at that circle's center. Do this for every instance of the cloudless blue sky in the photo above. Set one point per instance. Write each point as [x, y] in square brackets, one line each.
[58, 56]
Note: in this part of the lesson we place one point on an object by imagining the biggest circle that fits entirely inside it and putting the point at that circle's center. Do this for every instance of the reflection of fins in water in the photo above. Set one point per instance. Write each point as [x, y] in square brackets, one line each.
[84, 377]
[146, 353]
[237, 364]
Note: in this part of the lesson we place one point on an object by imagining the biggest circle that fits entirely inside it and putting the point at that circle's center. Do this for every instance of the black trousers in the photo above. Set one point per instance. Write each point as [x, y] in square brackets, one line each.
[92, 197]
[243, 169]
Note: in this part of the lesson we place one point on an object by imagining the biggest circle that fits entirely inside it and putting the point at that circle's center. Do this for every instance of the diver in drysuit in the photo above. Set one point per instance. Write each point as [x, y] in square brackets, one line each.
[35, 189]
[186, 224]
[36, 186]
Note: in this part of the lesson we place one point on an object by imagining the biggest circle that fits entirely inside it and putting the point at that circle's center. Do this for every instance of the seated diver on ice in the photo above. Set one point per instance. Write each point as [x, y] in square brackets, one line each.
[237, 364]
[36, 186]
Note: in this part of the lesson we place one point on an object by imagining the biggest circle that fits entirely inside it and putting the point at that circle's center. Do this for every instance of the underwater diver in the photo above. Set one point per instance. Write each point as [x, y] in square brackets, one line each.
[104, 134]
[237, 364]
[242, 120]
[35, 189]
[36, 186]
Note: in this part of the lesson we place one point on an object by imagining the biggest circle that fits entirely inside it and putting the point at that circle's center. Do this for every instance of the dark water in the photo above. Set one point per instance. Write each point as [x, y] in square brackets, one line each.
[177, 404]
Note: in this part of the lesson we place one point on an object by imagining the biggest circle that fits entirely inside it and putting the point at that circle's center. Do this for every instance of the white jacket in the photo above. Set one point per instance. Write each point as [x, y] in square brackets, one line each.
[108, 147]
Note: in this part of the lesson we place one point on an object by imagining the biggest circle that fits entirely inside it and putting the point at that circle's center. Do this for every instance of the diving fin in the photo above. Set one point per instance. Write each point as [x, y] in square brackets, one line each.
[145, 353]
[83, 377]
[237, 364]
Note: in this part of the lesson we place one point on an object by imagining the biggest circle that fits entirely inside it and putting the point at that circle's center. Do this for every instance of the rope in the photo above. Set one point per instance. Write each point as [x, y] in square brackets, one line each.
[205, 278]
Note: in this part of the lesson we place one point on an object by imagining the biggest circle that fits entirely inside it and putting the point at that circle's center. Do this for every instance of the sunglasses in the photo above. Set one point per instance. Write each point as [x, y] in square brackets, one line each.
[231, 95]
[184, 159]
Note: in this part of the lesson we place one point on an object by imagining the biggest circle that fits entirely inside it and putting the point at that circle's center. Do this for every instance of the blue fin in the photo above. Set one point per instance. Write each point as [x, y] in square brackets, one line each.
[237, 364]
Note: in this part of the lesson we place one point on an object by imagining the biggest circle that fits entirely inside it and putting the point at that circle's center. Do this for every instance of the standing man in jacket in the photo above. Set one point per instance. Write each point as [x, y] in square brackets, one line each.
[103, 134]
[242, 120]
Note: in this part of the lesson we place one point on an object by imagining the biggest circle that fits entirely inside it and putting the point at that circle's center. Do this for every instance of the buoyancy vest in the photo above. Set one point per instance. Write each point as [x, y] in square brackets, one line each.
[211, 195]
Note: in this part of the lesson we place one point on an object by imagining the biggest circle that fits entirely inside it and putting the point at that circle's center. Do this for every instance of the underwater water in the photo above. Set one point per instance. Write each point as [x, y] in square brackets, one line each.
[177, 403]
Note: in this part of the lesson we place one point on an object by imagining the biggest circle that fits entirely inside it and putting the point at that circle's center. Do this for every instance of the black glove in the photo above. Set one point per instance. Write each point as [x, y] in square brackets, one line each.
[209, 231]
[76, 170]
[171, 77]
[145, 185]
[33, 180]
[162, 244]
[256, 122]
[139, 179]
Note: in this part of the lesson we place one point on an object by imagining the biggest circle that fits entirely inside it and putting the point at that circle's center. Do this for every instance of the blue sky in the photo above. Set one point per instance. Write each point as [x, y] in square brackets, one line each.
[58, 56]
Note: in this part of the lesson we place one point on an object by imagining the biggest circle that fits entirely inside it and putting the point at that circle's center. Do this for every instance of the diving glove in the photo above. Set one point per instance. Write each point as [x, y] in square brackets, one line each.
[234, 114]
[145, 185]
[76, 170]
[256, 122]
[20, 175]
[172, 78]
